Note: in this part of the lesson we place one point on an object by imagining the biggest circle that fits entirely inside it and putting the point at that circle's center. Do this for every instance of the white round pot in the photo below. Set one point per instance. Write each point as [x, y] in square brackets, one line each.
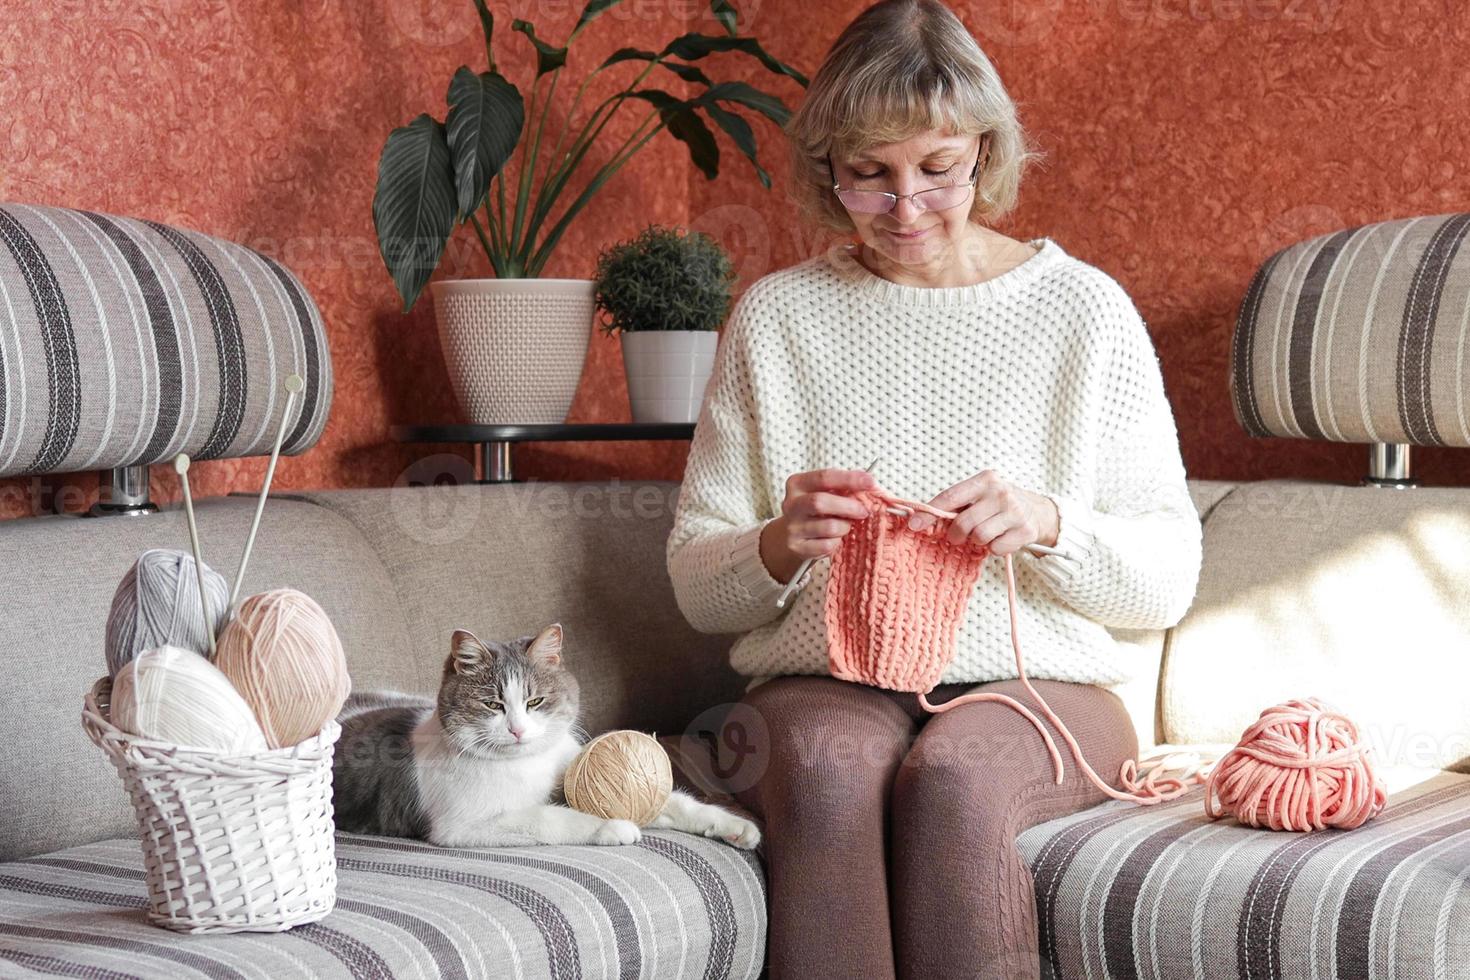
[514, 347]
[668, 371]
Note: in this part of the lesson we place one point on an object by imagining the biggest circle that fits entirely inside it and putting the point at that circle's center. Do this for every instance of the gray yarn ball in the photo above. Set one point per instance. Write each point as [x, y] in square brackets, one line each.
[157, 604]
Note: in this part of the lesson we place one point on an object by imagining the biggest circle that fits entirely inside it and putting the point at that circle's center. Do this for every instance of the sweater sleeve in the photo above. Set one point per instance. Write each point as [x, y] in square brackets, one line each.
[721, 585]
[1136, 548]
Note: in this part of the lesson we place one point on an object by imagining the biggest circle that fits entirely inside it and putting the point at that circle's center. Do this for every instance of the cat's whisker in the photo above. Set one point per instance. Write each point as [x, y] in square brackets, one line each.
[463, 745]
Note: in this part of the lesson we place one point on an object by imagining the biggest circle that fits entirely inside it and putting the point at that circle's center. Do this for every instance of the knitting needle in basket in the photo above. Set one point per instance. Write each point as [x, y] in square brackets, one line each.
[294, 387]
[806, 565]
[181, 466]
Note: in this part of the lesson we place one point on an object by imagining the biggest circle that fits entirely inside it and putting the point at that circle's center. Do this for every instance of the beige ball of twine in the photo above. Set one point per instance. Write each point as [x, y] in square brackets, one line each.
[620, 775]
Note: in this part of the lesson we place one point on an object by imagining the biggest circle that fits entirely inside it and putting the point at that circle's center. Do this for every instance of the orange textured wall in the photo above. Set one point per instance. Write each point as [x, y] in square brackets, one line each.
[1185, 141]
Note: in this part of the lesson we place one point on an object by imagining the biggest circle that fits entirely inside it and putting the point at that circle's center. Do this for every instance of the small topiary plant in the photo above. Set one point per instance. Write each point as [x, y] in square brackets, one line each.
[664, 280]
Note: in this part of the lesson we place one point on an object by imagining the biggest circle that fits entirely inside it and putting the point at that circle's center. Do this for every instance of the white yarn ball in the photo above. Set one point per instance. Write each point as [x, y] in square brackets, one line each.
[170, 694]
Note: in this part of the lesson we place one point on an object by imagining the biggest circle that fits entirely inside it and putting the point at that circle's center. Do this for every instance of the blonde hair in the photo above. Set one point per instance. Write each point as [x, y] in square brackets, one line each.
[901, 68]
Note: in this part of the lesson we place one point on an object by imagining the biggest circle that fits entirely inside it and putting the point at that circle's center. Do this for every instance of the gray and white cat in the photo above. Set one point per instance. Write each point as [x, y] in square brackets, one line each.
[482, 765]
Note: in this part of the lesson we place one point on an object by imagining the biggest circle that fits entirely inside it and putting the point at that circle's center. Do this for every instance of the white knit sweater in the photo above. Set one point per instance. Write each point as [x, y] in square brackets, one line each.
[1045, 374]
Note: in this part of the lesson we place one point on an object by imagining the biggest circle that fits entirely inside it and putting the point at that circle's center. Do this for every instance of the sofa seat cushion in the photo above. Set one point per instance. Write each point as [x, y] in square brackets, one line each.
[673, 905]
[1163, 891]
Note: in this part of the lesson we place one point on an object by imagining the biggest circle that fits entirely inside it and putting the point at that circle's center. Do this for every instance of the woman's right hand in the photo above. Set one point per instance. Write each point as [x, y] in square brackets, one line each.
[815, 516]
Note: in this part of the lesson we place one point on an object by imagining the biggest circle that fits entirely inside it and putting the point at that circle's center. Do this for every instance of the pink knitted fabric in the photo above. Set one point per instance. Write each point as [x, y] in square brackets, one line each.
[895, 597]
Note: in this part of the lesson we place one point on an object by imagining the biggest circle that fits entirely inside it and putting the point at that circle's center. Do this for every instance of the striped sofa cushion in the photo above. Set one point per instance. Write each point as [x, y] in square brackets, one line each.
[1360, 336]
[1162, 892]
[126, 341]
[674, 905]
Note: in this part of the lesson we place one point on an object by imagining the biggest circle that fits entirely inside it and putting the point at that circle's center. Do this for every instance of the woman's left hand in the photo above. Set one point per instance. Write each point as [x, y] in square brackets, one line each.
[996, 514]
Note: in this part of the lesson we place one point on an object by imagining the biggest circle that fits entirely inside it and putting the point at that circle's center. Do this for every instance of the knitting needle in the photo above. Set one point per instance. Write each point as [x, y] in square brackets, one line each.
[294, 385]
[181, 463]
[806, 566]
[1034, 547]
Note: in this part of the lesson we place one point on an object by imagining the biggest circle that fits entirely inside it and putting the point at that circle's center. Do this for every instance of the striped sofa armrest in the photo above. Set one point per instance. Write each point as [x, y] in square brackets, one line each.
[124, 342]
[1359, 336]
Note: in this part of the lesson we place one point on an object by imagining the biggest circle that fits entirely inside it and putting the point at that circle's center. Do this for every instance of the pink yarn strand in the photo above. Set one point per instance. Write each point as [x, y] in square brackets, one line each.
[1148, 791]
[1151, 789]
[1300, 766]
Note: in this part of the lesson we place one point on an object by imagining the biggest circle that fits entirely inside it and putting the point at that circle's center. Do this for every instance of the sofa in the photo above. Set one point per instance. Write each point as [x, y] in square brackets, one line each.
[72, 892]
[1358, 593]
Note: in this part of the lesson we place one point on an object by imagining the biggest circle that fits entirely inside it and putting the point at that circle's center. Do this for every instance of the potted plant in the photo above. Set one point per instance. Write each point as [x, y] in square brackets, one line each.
[665, 293]
[515, 344]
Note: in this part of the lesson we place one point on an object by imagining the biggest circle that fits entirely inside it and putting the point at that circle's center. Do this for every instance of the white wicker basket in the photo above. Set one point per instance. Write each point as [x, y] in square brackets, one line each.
[231, 843]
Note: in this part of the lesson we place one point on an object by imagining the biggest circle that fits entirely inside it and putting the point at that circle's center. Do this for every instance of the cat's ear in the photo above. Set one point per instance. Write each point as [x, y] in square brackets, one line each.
[466, 652]
[547, 645]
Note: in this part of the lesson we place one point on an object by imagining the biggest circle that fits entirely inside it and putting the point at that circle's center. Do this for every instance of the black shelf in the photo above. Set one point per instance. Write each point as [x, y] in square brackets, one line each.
[492, 443]
[575, 432]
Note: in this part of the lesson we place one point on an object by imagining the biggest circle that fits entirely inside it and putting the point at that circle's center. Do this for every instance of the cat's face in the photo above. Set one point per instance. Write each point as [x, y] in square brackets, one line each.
[506, 699]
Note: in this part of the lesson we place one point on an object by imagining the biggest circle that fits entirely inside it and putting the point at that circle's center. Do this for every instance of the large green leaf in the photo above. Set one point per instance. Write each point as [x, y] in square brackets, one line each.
[724, 13]
[685, 125]
[413, 206]
[548, 58]
[741, 93]
[687, 72]
[740, 134]
[692, 47]
[486, 115]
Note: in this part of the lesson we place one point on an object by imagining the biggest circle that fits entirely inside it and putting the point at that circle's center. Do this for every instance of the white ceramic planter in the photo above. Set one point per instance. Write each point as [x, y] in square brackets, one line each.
[668, 371]
[514, 348]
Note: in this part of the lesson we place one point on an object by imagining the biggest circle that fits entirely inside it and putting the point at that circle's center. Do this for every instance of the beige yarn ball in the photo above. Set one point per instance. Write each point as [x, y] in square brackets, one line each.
[284, 657]
[620, 775]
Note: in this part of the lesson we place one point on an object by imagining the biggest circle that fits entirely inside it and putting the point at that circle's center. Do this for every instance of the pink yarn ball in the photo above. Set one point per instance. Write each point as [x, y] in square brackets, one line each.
[284, 657]
[1300, 766]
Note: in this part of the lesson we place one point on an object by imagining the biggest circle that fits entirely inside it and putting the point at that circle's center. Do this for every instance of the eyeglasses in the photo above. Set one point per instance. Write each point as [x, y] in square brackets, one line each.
[930, 199]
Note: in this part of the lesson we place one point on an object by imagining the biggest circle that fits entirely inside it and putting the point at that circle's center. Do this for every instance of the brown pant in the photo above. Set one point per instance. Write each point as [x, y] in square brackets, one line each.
[890, 832]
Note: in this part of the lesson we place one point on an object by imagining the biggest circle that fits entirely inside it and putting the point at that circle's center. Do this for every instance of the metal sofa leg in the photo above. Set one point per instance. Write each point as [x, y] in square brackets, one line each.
[1388, 466]
[123, 490]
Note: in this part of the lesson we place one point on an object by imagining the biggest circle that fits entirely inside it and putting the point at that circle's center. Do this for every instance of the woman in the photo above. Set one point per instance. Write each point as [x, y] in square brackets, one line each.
[1019, 381]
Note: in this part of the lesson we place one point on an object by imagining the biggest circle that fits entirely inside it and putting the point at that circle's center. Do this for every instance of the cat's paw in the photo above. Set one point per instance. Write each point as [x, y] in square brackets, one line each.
[734, 830]
[617, 832]
[748, 836]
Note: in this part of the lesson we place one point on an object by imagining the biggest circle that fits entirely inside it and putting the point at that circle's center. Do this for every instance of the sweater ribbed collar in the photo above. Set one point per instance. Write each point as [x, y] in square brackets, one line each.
[843, 261]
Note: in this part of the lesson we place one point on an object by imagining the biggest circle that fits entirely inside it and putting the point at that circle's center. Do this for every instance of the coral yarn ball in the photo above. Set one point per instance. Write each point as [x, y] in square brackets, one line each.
[620, 775]
[284, 657]
[1300, 766]
[169, 694]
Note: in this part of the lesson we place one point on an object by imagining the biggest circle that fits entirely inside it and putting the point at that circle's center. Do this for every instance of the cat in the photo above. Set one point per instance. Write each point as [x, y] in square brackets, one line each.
[482, 765]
